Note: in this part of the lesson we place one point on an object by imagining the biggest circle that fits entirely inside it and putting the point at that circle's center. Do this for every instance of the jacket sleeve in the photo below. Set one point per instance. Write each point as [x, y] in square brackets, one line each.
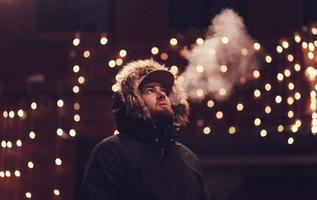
[103, 174]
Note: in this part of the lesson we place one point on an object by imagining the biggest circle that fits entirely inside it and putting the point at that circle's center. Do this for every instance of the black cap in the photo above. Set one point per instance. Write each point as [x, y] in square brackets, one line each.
[164, 77]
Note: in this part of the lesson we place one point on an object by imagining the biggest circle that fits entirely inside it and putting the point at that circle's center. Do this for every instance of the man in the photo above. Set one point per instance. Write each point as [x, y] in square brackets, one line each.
[144, 161]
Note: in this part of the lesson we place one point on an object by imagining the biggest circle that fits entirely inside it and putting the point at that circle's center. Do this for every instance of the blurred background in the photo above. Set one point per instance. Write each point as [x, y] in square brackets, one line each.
[58, 61]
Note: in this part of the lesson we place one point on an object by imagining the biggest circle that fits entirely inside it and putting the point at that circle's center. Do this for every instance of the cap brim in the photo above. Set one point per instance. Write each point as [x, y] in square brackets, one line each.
[163, 77]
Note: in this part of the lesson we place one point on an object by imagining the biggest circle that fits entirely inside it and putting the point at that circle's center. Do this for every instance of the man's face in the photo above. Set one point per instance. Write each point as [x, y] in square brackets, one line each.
[155, 97]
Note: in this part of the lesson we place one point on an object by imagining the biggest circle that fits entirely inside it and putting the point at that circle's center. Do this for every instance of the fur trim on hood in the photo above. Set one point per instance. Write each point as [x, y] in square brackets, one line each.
[127, 83]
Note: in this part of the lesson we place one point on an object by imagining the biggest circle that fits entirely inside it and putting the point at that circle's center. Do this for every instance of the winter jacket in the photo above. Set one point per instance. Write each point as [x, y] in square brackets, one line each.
[143, 162]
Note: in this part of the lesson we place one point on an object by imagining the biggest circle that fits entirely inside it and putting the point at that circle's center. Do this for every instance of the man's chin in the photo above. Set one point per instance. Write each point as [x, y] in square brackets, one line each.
[163, 116]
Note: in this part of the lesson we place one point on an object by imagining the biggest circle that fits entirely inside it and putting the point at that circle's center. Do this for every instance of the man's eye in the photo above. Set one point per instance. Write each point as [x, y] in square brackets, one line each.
[163, 90]
[148, 90]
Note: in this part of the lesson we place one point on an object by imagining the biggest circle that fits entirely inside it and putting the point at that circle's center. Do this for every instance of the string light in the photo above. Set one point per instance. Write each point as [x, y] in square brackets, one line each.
[257, 46]
[28, 195]
[257, 93]
[72, 133]
[268, 59]
[297, 67]
[223, 68]
[122, 53]
[11, 114]
[119, 61]
[174, 69]
[76, 89]
[304, 45]
[206, 130]
[19, 143]
[219, 115]
[199, 41]
[112, 63]
[279, 49]
[263, 133]
[257, 121]
[154, 50]
[256, 74]
[297, 38]
[268, 87]
[232, 130]
[280, 128]
[278, 99]
[33, 105]
[60, 103]
[225, 40]
[290, 140]
[116, 132]
[240, 106]
[285, 44]
[103, 40]
[76, 117]
[32, 135]
[173, 41]
[267, 109]
[291, 86]
[5, 114]
[59, 132]
[76, 106]
[86, 54]
[290, 114]
[210, 103]
[76, 68]
[56, 192]
[58, 161]
[280, 76]
[199, 68]
[81, 80]
[199, 92]
[30, 165]
[164, 56]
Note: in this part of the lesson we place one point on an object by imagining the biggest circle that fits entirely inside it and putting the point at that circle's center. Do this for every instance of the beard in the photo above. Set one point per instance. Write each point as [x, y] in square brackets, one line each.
[162, 117]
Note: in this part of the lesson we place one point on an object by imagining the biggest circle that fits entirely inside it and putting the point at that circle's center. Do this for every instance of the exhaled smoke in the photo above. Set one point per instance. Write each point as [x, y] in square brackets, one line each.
[226, 58]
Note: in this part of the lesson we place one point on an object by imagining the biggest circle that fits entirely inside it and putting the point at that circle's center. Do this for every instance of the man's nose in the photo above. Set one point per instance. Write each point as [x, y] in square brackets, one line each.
[160, 94]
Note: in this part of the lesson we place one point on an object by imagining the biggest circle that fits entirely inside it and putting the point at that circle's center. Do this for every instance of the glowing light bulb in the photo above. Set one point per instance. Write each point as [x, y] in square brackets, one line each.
[225, 40]
[173, 41]
[199, 68]
[223, 68]
[257, 121]
[32, 135]
[60, 103]
[232, 130]
[76, 41]
[297, 38]
[174, 69]
[76, 89]
[290, 140]
[30, 165]
[200, 93]
[86, 54]
[297, 67]
[285, 44]
[257, 46]
[268, 59]
[76, 68]
[119, 61]
[56, 192]
[199, 41]
[33, 105]
[123, 53]
[206, 130]
[278, 99]
[240, 106]
[219, 115]
[20, 113]
[58, 161]
[267, 109]
[103, 40]
[280, 76]
[256, 74]
[112, 63]
[263, 133]
[154, 50]
[268, 87]
[76, 117]
[280, 128]
[279, 49]
[210, 103]
[257, 93]
[11, 114]
[72, 133]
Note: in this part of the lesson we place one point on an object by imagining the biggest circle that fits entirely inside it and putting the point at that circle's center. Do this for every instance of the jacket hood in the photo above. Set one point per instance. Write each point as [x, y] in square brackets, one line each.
[132, 104]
